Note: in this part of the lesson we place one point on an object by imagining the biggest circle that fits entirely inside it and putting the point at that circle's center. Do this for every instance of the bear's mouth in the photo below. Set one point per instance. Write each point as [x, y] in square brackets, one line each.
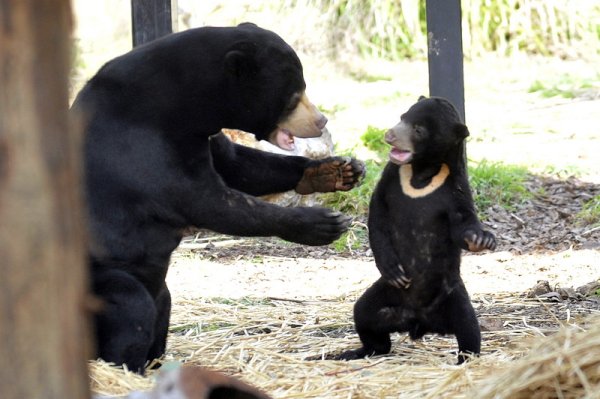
[400, 156]
[304, 121]
[283, 139]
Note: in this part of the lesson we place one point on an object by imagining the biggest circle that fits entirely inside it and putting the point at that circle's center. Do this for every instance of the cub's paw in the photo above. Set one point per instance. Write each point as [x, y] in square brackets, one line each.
[479, 240]
[315, 226]
[331, 174]
[396, 276]
[353, 354]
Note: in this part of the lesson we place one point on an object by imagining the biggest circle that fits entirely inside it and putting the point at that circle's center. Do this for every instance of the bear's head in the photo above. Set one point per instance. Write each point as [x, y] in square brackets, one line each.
[267, 77]
[428, 131]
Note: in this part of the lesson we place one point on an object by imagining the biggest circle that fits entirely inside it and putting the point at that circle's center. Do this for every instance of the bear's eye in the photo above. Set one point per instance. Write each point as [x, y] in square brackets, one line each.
[420, 130]
[293, 103]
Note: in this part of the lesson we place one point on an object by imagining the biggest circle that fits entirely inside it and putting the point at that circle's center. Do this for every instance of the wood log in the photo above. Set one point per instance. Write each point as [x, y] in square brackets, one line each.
[43, 281]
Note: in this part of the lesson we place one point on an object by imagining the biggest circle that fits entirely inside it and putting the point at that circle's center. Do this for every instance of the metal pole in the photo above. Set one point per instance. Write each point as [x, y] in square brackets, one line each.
[150, 19]
[445, 53]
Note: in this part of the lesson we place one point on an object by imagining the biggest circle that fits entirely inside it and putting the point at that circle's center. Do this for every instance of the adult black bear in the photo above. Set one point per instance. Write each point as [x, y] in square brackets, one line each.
[421, 215]
[153, 169]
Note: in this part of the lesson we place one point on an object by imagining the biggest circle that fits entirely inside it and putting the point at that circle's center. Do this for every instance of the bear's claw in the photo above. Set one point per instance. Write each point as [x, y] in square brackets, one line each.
[479, 240]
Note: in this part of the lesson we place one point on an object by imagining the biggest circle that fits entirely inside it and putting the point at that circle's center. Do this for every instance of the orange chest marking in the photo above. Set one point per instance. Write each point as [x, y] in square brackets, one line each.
[436, 182]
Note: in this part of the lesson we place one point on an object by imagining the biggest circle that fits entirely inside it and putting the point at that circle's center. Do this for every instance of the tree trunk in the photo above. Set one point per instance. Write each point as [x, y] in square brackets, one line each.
[43, 282]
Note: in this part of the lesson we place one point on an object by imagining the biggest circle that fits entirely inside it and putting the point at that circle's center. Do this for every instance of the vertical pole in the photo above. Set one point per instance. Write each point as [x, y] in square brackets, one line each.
[150, 19]
[44, 335]
[445, 53]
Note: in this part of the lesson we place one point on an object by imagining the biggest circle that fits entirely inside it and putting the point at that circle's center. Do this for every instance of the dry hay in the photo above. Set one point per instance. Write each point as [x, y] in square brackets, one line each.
[565, 365]
[266, 342]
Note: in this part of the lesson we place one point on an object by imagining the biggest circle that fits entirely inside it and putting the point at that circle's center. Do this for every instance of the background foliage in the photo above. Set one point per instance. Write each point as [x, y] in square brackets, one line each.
[396, 29]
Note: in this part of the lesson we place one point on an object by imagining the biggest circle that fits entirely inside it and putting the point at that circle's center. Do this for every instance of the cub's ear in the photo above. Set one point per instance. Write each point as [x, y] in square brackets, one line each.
[240, 60]
[421, 98]
[461, 131]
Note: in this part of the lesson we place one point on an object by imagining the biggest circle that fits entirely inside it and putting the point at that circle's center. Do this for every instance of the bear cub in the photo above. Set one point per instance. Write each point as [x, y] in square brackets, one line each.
[421, 216]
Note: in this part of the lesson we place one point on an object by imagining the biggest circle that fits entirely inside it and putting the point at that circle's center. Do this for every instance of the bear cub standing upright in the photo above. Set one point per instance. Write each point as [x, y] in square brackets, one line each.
[421, 215]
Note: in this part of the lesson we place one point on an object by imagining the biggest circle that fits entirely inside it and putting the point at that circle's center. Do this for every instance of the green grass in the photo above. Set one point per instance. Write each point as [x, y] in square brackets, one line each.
[563, 171]
[364, 76]
[566, 86]
[333, 109]
[356, 237]
[373, 140]
[497, 183]
[590, 214]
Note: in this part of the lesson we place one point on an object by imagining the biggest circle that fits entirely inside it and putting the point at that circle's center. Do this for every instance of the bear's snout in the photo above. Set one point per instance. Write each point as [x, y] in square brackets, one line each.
[321, 121]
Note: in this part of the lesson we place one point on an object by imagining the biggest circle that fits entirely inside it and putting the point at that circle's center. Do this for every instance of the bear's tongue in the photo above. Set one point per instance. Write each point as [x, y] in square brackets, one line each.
[400, 155]
[283, 139]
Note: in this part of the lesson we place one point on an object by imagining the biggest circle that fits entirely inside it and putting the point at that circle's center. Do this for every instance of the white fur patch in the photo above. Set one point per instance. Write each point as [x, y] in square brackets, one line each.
[435, 183]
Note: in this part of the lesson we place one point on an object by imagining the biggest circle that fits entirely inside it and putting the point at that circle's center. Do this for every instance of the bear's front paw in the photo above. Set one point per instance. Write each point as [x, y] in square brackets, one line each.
[479, 240]
[396, 276]
[331, 174]
[315, 226]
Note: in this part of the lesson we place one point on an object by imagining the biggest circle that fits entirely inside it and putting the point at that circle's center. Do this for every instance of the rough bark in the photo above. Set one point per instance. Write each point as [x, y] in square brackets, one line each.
[43, 282]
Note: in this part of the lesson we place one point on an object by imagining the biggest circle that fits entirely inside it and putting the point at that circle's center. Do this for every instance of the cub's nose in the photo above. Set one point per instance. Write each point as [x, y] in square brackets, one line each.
[389, 136]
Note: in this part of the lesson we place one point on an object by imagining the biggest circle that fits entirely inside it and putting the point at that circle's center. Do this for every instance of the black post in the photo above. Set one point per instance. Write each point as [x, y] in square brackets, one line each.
[445, 53]
[150, 19]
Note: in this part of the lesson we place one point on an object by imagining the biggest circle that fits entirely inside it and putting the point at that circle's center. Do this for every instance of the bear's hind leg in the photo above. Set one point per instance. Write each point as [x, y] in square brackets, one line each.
[463, 323]
[372, 324]
[161, 329]
[125, 325]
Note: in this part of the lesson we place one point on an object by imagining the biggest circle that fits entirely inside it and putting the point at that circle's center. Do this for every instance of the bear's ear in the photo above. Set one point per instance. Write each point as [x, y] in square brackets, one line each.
[421, 98]
[461, 131]
[240, 61]
[247, 25]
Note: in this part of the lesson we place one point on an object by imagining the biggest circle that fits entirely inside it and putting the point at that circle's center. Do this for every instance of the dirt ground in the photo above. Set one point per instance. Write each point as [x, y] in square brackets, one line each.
[305, 278]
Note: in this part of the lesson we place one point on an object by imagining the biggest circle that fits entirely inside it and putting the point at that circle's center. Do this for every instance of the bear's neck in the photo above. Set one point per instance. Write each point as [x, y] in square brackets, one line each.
[419, 182]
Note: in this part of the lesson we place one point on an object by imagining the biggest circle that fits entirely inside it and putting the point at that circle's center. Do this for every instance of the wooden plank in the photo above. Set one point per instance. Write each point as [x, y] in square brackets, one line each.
[150, 19]
[445, 53]
[43, 322]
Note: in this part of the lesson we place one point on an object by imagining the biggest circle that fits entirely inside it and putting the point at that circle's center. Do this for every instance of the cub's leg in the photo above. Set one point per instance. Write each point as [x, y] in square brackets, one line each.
[374, 320]
[125, 326]
[462, 322]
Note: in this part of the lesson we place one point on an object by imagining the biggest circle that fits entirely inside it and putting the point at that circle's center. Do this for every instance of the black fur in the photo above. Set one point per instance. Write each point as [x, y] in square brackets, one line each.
[417, 241]
[155, 165]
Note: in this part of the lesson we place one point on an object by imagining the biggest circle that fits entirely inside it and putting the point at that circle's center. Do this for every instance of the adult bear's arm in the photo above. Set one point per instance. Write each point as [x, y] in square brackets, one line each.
[253, 171]
[258, 172]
